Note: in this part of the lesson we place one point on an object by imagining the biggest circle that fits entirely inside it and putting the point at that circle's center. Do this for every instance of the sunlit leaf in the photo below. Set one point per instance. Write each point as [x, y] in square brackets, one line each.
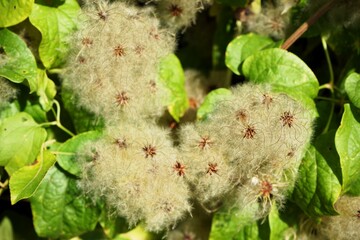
[242, 47]
[352, 88]
[14, 11]
[172, 76]
[211, 101]
[25, 181]
[20, 141]
[17, 63]
[347, 142]
[67, 152]
[56, 23]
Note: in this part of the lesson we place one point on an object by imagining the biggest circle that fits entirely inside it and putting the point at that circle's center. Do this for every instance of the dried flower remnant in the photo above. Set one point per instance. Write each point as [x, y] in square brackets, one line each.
[212, 169]
[149, 150]
[287, 119]
[179, 168]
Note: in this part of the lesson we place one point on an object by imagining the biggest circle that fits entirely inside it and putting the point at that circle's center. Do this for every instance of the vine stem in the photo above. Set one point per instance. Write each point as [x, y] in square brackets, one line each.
[305, 26]
[4, 185]
[329, 85]
[57, 121]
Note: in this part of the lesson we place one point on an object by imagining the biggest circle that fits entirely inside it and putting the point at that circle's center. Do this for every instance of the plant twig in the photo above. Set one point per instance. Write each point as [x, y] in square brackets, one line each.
[305, 26]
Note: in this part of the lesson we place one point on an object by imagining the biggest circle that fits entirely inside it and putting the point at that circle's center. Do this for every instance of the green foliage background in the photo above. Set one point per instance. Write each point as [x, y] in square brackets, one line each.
[41, 131]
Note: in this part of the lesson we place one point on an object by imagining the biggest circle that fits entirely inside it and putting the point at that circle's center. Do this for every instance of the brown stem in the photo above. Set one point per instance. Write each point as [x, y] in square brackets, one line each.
[305, 26]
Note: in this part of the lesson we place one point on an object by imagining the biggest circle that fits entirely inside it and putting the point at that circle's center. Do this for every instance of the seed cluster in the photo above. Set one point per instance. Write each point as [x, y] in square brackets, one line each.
[247, 147]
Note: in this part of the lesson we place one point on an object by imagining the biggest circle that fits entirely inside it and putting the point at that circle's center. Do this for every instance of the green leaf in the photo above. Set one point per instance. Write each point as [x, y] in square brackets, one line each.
[347, 142]
[59, 208]
[25, 181]
[242, 47]
[352, 88]
[14, 11]
[82, 119]
[20, 141]
[318, 186]
[113, 226]
[285, 72]
[234, 224]
[45, 89]
[281, 223]
[210, 102]
[67, 157]
[56, 23]
[6, 230]
[17, 63]
[172, 76]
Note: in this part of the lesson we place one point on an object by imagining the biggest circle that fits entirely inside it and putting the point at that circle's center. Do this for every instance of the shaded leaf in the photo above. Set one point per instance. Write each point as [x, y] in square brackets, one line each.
[242, 47]
[211, 100]
[6, 230]
[347, 142]
[56, 23]
[67, 156]
[59, 208]
[225, 27]
[234, 3]
[172, 76]
[318, 186]
[20, 141]
[14, 51]
[82, 119]
[25, 181]
[281, 223]
[352, 88]
[14, 11]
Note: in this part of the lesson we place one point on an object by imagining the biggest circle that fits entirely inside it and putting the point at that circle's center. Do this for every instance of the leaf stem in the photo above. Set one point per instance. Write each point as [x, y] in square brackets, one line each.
[330, 84]
[305, 26]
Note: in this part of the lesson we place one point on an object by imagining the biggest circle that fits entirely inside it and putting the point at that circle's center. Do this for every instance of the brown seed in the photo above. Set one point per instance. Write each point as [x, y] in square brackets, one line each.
[266, 189]
[102, 15]
[204, 142]
[87, 42]
[149, 150]
[179, 168]
[121, 143]
[119, 51]
[249, 132]
[241, 115]
[287, 119]
[212, 169]
[139, 49]
[122, 98]
[175, 10]
[267, 100]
